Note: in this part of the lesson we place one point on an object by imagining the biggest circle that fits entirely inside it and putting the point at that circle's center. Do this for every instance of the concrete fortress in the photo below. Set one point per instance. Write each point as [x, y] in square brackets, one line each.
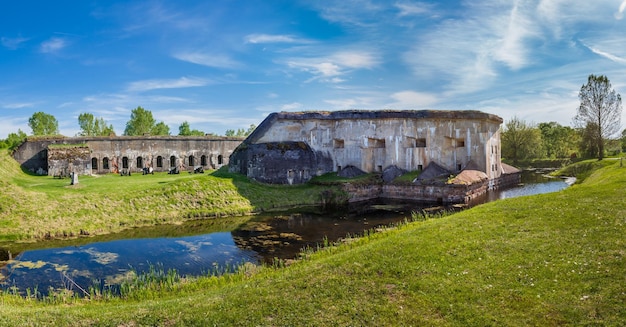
[292, 147]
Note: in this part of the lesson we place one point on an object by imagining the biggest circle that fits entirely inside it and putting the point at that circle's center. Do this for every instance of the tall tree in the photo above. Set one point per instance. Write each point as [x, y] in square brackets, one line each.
[141, 122]
[43, 124]
[91, 126]
[600, 107]
[520, 140]
[623, 139]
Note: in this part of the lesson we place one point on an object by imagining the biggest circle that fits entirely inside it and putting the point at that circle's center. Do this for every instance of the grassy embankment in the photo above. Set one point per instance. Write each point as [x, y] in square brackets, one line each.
[545, 260]
[38, 207]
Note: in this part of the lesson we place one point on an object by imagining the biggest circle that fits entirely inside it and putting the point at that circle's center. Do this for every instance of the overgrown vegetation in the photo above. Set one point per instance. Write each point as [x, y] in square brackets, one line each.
[545, 260]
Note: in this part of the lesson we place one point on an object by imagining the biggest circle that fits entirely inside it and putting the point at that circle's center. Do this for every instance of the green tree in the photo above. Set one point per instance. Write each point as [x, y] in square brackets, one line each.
[623, 140]
[600, 107]
[43, 124]
[589, 141]
[185, 130]
[557, 141]
[141, 122]
[91, 126]
[13, 140]
[520, 140]
[250, 129]
[230, 132]
[160, 129]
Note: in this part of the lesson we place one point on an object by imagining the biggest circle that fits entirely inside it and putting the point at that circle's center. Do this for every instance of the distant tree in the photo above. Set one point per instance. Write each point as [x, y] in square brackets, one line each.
[558, 141]
[160, 129]
[600, 107]
[623, 140]
[250, 129]
[43, 124]
[520, 140]
[13, 140]
[141, 122]
[185, 130]
[91, 126]
[240, 131]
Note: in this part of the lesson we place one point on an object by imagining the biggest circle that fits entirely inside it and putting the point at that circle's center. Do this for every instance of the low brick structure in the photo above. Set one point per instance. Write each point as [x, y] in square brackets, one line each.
[124, 154]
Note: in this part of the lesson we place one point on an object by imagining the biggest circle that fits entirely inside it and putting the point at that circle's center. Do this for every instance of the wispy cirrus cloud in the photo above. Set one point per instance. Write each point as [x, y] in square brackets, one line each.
[155, 84]
[208, 59]
[18, 105]
[273, 38]
[412, 99]
[620, 11]
[53, 45]
[606, 54]
[331, 68]
[412, 9]
[13, 43]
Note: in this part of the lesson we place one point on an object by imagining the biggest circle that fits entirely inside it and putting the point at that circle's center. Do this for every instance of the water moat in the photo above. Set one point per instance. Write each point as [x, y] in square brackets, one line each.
[206, 246]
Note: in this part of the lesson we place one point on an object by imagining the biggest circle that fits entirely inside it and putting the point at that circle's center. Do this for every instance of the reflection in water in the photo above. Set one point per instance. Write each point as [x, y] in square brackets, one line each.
[260, 239]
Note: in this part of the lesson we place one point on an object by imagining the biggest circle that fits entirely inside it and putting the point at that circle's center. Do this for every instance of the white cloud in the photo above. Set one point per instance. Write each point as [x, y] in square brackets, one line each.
[620, 12]
[18, 105]
[412, 100]
[607, 55]
[291, 106]
[154, 84]
[330, 68]
[12, 43]
[209, 60]
[269, 38]
[53, 45]
[413, 9]
[516, 28]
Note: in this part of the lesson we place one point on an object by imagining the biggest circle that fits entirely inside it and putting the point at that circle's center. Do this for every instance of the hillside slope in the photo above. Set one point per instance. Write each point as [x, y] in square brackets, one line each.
[546, 260]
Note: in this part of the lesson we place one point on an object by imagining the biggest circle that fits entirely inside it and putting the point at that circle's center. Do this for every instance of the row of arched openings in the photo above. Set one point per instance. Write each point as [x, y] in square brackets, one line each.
[159, 162]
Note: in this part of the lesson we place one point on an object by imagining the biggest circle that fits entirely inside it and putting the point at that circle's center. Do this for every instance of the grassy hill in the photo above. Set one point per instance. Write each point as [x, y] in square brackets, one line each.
[545, 260]
[39, 207]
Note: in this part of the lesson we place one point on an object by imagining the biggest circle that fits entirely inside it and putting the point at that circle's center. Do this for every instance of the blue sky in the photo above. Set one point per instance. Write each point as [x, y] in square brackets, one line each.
[226, 64]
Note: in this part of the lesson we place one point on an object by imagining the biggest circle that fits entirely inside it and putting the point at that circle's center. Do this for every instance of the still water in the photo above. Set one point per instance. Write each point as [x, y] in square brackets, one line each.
[205, 246]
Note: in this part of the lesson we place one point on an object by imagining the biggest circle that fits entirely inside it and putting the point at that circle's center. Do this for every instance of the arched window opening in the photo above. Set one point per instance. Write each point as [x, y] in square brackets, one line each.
[192, 161]
[139, 162]
[160, 162]
[172, 161]
[105, 163]
[125, 162]
[203, 160]
[94, 163]
[220, 159]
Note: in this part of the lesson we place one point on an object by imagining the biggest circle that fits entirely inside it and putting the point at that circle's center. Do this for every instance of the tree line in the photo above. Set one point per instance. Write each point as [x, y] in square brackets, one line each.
[594, 135]
[141, 122]
[595, 131]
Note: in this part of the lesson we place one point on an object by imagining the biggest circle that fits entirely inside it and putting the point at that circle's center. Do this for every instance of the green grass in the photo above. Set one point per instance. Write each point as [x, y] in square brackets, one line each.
[547, 260]
[40, 207]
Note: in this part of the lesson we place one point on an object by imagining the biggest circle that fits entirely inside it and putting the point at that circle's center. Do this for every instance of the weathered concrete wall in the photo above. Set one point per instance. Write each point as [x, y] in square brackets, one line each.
[67, 159]
[375, 140]
[280, 162]
[112, 154]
